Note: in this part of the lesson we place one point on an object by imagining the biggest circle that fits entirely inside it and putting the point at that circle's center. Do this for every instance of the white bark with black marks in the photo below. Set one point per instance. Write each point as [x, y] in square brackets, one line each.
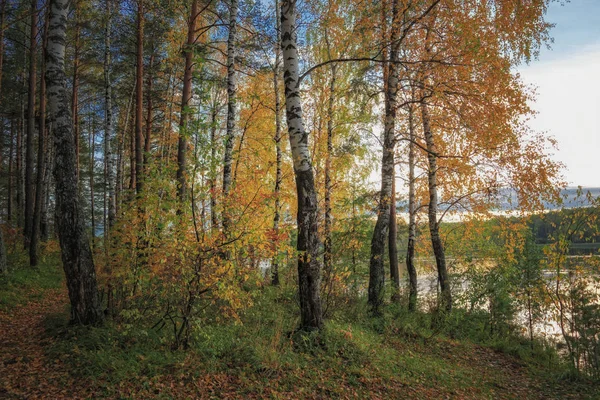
[434, 228]
[309, 267]
[380, 233]
[75, 248]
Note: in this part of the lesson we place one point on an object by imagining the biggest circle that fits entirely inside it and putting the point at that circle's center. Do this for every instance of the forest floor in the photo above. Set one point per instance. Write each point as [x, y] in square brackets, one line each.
[41, 357]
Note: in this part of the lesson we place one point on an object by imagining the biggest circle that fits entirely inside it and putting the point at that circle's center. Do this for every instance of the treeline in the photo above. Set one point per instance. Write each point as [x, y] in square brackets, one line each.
[193, 141]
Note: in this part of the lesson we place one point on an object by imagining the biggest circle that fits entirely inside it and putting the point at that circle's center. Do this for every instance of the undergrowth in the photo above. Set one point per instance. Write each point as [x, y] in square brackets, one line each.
[354, 353]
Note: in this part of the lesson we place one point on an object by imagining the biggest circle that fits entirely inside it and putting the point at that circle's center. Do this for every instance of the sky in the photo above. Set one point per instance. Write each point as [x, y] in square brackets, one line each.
[567, 82]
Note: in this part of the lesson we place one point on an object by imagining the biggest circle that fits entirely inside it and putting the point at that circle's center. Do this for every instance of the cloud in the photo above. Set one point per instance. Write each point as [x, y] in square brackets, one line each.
[568, 102]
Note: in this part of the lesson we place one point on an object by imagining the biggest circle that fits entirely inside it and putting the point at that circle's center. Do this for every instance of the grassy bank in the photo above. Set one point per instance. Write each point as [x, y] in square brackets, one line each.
[397, 355]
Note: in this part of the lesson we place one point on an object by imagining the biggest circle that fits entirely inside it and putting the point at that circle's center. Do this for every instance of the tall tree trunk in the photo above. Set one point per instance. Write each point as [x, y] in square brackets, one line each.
[434, 229]
[309, 268]
[3, 263]
[75, 249]
[48, 161]
[92, 146]
[131, 140]
[214, 220]
[19, 157]
[327, 243]
[75, 94]
[2, 18]
[139, 99]
[40, 195]
[392, 243]
[29, 182]
[278, 155]
[148, 138]
[11, 151]
[109, 184]
[412, 217]
[186, 97]
[380, 233]
[231, 112]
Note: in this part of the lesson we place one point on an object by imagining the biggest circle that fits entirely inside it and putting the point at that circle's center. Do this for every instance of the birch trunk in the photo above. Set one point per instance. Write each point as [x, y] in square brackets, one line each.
[75, 249]
[186, 97]
[381, 231]
[40, 195]
[29, 182]
[309, 268]
[278, 174]
[231, 111]
[434, 229]
[412, 217]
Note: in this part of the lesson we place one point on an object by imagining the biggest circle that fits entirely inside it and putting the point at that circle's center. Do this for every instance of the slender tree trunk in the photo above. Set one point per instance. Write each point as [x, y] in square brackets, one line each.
[434, 229]
[3, 262]
[186, 97]
[139, 99]
[75, 249]
[327, 243]
[148, 138]
[392, 243]
[109, 185]
[278, 174]
[40, 195]
[20, 133]
[29, 182]
[213, 173]
[11, 150]
[75, 94]
[309, 268]
[412, 217]
[380, 233]
[131, 142]
[92, 145]
[2, 18]
[48, 160]
[231, 112]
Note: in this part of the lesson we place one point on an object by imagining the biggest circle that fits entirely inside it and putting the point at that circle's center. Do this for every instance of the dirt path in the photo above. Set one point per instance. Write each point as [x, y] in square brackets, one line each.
[27, 372]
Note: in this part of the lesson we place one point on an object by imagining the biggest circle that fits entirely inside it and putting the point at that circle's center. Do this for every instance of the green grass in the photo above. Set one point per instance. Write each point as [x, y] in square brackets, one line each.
[24, 284]
[353, 354]
[397, 355]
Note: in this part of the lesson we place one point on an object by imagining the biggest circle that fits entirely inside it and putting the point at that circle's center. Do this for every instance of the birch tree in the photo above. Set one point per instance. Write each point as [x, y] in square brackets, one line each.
[309, 266]
[76, 254]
